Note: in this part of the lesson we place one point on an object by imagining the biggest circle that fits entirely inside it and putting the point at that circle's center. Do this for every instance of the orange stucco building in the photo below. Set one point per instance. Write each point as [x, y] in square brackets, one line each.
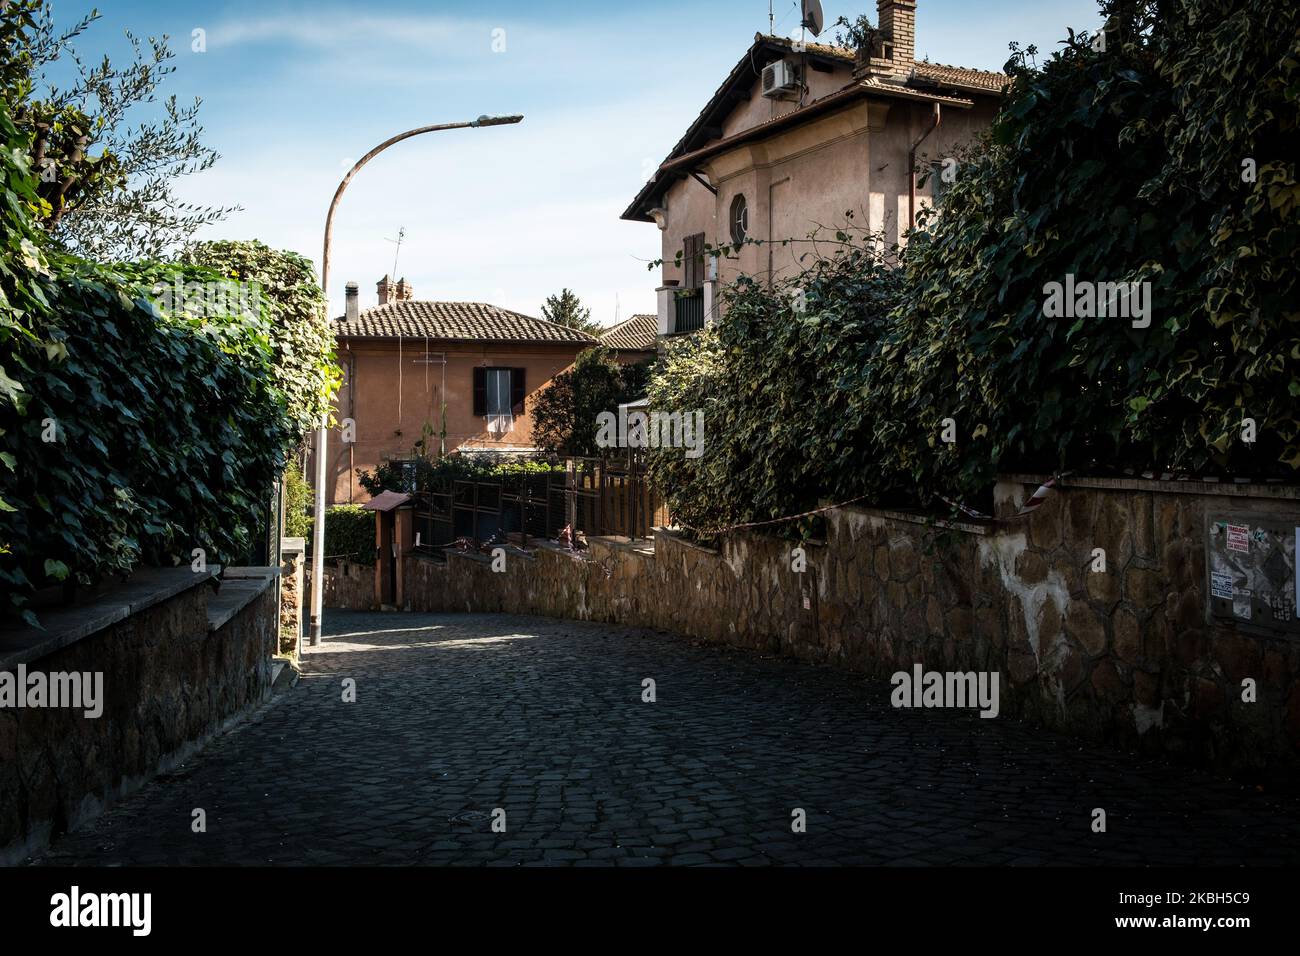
[410, 366]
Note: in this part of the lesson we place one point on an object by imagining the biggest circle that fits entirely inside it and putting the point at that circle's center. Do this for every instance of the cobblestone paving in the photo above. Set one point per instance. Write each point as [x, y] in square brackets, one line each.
[456, 715]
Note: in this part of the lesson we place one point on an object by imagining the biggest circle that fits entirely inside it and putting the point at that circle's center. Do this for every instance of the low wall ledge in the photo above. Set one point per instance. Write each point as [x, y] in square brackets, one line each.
[64, 626]
[642, 546]
[681, 539]
[239, 588]
[482, 558]
[1227, 489]
[921, 518]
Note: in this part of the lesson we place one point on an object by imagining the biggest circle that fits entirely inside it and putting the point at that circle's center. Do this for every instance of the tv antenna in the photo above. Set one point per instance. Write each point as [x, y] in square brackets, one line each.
[401, 234]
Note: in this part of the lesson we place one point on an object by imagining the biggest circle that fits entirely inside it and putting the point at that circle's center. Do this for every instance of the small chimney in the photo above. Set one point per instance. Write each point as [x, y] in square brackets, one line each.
[897, 22]
[352, 303]
[404, 291]
[387, 291]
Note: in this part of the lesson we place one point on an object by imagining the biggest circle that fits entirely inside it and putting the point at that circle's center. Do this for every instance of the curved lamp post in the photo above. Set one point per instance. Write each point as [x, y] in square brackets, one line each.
[318, 544]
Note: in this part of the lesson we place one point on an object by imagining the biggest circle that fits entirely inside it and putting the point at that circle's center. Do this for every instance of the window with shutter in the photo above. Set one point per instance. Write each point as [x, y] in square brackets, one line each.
[480, 392]
[517, 391]
[498, 397]
[693, 261]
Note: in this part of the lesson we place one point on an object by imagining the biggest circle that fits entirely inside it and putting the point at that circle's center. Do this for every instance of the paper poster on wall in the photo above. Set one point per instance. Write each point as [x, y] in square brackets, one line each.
[1251, 569]
[1241, 604]
[1239, 538]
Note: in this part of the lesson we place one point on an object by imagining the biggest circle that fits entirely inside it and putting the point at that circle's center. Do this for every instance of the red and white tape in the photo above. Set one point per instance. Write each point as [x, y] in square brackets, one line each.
[1032, 504]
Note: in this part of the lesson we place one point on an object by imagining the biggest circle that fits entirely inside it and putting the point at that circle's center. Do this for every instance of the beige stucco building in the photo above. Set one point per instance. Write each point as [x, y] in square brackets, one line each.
[802, 140]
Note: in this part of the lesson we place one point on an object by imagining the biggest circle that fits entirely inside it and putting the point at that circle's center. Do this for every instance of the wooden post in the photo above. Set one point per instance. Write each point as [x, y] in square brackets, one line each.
[570, 495]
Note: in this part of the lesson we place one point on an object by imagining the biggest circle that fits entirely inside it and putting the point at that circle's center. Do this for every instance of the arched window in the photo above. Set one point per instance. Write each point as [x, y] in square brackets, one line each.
[739, 219]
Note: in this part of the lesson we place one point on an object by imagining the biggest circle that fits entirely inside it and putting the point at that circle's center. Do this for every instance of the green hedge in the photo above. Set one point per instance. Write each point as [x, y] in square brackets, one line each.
[349, 534]
[128, 434]
[1112, 166]
[782, 395]
[302, 338]
[299, 500]
[1119, 165]
[419, 473]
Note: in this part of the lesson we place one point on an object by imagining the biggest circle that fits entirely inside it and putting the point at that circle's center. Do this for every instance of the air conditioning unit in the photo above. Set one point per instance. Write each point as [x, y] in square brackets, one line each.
[780, 79]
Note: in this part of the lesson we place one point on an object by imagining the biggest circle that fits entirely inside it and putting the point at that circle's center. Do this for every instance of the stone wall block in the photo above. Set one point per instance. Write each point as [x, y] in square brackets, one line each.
[1112, 531]
[1087, 628]
[1046, 525]
[1144, 527]
[1144, 588]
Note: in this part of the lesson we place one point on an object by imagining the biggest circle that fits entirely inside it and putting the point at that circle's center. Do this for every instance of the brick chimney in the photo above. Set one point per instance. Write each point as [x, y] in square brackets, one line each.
[387, 291]
[896, 20]
[404, 291]
[352, 303]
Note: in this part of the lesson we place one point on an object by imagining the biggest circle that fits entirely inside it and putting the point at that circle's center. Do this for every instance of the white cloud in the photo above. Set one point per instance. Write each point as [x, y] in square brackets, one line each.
[323, 31]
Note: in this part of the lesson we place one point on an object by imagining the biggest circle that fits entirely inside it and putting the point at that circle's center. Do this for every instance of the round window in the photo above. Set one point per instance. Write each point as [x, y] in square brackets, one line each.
[739, 219]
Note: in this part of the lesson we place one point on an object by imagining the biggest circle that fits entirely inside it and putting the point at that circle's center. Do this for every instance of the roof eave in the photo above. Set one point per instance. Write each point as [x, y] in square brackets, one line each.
[636, 212]
[465, 341]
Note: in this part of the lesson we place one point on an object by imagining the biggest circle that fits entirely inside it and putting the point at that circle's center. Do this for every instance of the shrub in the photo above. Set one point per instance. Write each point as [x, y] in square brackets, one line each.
[564, 413]
[299, 502]
[415, 474]
[1114, 166]
[302, 339]
[780, 382]
[349, 534]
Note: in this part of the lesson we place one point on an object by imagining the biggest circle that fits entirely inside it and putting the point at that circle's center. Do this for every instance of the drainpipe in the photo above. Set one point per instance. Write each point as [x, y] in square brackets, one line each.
[352, 414]
[911, 167]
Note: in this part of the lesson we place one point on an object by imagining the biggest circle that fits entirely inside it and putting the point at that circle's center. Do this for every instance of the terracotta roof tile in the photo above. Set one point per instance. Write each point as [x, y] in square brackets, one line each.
[456, 321]
[962, 77]
[638, 333]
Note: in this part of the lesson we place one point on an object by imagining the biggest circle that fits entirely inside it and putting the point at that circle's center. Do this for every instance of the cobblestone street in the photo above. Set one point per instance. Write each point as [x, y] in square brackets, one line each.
[456, 715]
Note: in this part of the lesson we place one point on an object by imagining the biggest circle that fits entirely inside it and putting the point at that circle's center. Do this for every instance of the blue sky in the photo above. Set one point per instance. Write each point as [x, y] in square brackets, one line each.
[294, 92]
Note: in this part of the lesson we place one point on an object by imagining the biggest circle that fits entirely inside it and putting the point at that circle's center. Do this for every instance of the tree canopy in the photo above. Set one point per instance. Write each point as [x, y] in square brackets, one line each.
[567, 310]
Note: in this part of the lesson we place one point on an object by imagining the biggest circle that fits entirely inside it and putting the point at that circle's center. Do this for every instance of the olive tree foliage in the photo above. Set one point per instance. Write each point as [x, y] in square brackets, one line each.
[105, 149]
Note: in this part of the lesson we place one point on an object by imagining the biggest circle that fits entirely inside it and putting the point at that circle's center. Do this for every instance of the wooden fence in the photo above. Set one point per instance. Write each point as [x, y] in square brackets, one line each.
[597, 496]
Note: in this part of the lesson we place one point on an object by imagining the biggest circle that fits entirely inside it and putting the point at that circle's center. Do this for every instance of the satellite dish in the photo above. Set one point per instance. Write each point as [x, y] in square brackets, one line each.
[812, 16]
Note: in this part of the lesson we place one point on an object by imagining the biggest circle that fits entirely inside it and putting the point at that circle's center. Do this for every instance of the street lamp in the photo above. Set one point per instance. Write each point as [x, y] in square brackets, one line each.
[318, 545]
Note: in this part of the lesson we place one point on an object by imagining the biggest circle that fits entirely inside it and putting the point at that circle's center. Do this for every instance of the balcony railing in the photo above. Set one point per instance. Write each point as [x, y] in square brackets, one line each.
[688, 312]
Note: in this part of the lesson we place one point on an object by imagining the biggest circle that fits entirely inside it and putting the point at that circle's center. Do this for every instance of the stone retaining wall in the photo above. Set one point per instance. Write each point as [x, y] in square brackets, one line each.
[1128, 656]
[175, 672]
[347, 585]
